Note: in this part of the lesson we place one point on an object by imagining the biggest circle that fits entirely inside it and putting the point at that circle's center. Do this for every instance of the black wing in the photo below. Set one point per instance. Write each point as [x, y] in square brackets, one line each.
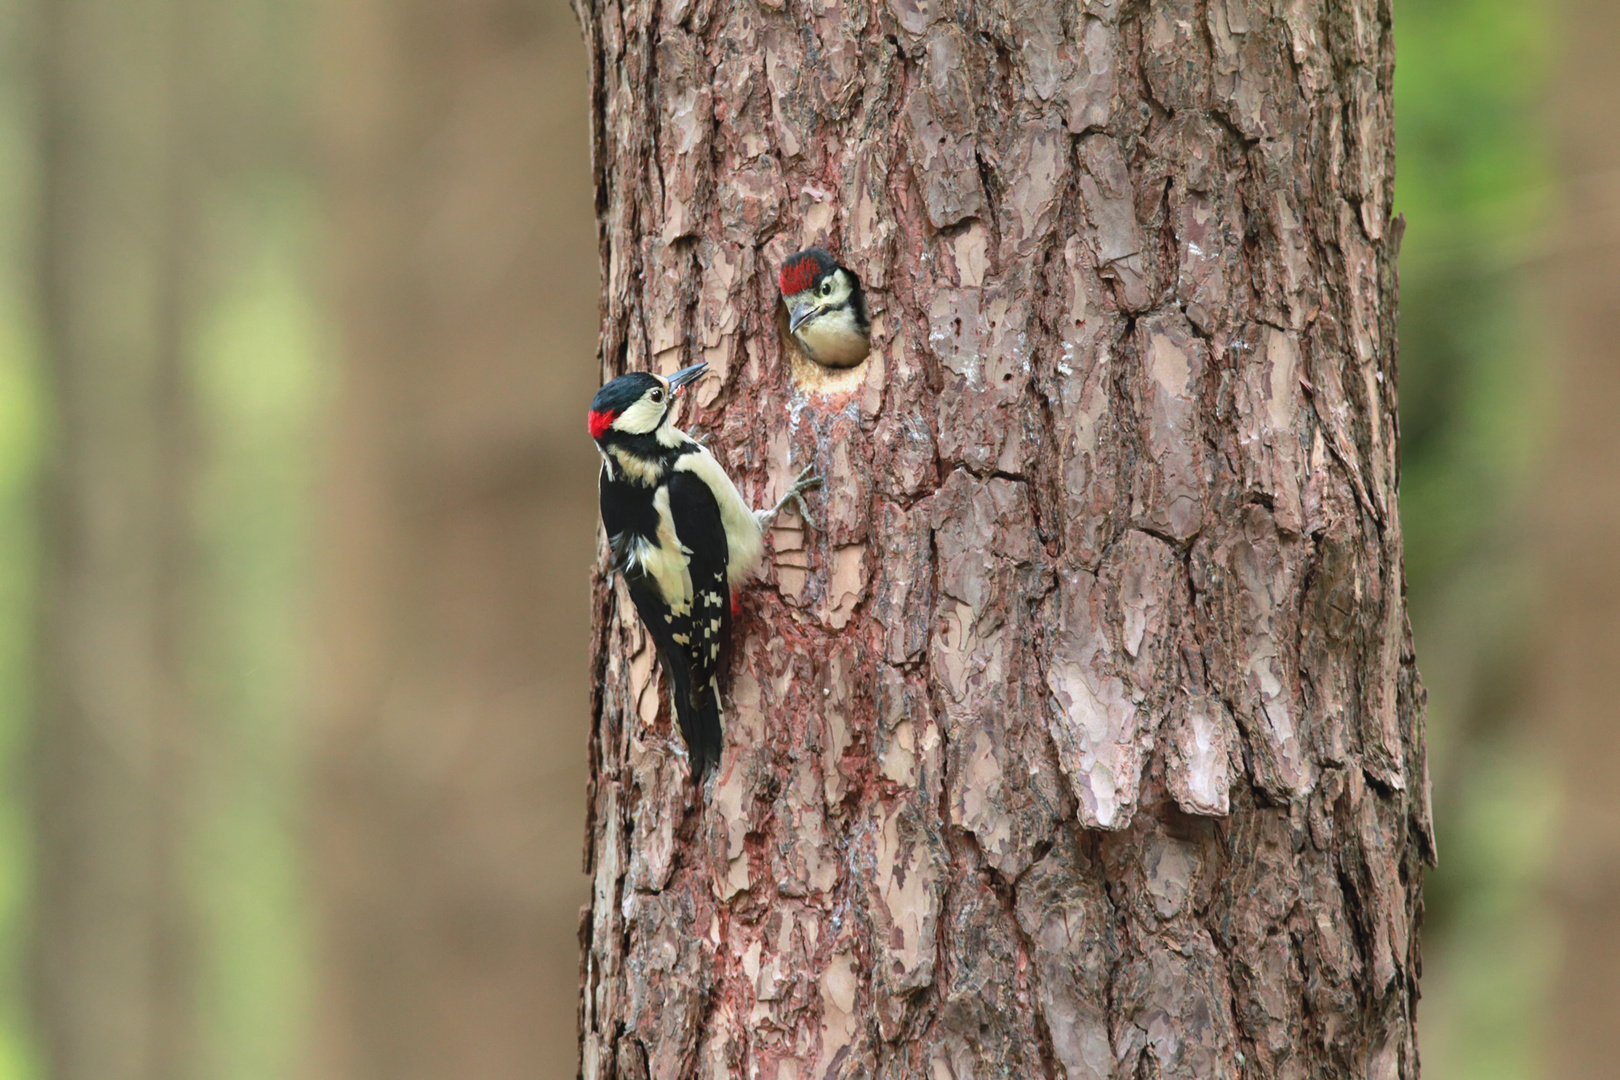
[696, 516]
[690, 641]
[627, 512]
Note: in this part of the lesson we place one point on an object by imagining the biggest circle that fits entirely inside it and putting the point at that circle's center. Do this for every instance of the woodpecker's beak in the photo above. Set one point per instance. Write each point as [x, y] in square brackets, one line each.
[799, 316]
[686, 375]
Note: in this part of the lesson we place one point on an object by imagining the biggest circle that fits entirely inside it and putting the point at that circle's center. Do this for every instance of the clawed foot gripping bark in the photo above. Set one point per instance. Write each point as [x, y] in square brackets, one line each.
[794, 497]
[1083, 738]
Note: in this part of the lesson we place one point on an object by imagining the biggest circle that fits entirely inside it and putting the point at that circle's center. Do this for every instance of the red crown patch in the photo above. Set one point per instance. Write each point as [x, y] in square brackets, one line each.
[798, 274]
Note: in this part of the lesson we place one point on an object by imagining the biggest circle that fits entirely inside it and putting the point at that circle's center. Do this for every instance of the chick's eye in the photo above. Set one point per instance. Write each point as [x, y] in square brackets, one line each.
[826, 287]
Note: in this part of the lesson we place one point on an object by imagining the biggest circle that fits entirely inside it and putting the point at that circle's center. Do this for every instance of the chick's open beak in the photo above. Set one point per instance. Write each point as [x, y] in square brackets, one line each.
[686, 375]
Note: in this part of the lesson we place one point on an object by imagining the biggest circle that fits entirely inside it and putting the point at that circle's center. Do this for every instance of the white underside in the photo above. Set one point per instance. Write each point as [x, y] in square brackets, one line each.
[833, 339]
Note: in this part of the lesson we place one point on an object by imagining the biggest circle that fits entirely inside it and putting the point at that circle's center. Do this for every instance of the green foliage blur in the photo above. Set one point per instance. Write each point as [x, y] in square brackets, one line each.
[1473, 179]
[19, 453]
[254, 354]
[1474, 176]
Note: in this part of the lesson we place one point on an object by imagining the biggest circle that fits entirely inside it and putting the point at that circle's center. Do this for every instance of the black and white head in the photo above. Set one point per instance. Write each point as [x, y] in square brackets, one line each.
[637, 407]
[826, 308]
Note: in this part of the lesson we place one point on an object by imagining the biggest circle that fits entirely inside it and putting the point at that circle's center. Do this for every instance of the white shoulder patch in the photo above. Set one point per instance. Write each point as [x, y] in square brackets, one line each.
[744, 542]
[665, 561]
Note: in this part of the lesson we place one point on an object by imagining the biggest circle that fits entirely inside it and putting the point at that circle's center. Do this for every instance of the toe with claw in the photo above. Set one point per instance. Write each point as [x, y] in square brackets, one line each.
[795, 495]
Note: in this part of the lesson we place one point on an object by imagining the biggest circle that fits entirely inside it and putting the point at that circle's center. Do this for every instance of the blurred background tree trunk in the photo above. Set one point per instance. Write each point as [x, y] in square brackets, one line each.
[1578, 679]
[113, 926]
[1083, 737]
[449, 753]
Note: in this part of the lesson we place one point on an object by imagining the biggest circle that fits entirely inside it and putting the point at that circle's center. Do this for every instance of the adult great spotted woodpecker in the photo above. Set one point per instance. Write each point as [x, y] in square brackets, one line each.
[825, 308]
[682, 536]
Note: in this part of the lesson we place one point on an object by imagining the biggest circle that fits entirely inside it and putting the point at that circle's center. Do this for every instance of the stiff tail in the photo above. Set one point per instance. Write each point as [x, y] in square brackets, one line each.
[704, 739]
[700, 726]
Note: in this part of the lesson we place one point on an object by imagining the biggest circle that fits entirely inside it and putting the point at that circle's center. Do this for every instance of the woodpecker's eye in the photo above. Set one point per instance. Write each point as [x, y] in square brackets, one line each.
[826, 287]
[657, 395]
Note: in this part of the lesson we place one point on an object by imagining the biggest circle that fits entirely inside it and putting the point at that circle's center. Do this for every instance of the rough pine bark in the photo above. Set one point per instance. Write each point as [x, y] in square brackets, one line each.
[1082, 736]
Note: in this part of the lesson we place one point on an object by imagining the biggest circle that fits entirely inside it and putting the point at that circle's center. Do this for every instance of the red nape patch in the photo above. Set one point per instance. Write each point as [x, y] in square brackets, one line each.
[798, 274]
[600, 422]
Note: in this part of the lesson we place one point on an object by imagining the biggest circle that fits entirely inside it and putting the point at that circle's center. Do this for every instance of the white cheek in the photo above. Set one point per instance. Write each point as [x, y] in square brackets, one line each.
[641, 417]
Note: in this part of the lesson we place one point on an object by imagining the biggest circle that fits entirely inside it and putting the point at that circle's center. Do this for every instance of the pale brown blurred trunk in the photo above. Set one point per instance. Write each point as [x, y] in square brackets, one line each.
[1083, 738]
[450, 737]
[1579, 677]
[112, 941]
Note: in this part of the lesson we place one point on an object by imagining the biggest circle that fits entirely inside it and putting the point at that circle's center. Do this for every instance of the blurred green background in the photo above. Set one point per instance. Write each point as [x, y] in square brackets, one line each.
[357, 209]
[1475, 172]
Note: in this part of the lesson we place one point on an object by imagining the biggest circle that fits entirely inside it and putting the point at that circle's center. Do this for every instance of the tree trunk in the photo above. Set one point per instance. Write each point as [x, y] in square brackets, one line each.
[448, 758]
[1082, 736]
[1578, 681]
[112, 944]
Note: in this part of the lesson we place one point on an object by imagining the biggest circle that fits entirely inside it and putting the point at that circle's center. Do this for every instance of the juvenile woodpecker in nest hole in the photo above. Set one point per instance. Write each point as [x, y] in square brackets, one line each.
[682, 536]
[825, 309]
